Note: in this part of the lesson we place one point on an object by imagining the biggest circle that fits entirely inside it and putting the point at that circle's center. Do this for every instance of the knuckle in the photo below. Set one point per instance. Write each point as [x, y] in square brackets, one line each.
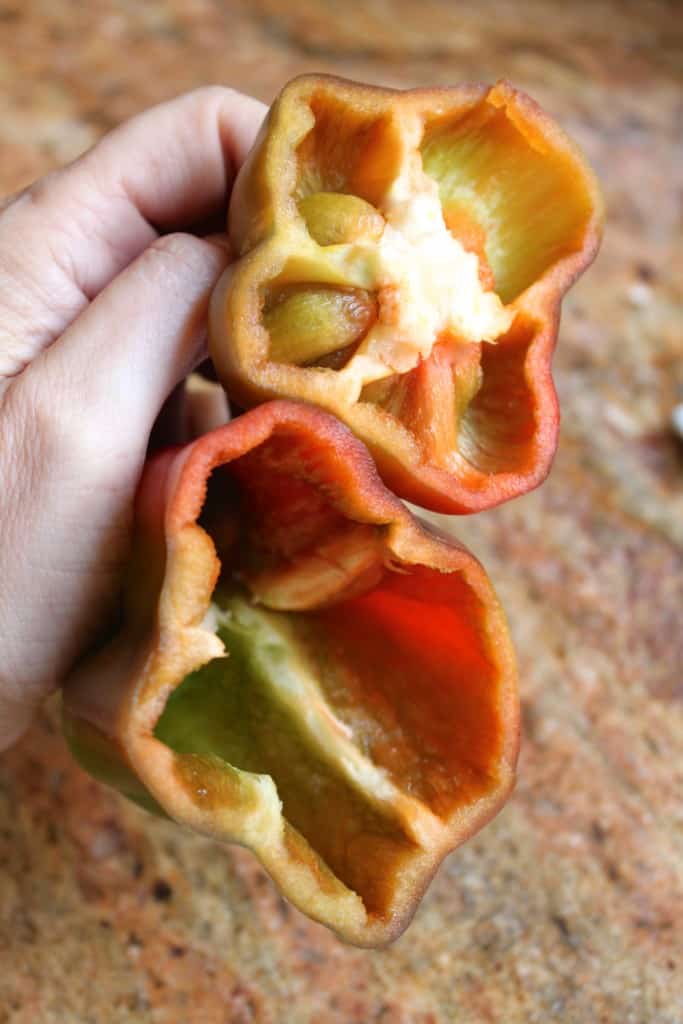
[31, 194]
[180, 254]
[175, 244]
[168, 255]
[212, 95]
[40, 191]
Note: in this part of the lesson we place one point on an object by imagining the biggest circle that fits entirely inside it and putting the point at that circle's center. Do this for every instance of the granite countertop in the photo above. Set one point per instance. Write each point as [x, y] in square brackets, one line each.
[569, 906]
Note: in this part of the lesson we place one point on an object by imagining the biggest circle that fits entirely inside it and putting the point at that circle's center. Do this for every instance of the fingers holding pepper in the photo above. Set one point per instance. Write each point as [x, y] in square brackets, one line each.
[101, 318]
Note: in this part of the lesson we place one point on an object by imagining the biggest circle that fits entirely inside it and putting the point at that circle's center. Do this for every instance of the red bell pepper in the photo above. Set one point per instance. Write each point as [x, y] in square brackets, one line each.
[403, 256]
[302, 668]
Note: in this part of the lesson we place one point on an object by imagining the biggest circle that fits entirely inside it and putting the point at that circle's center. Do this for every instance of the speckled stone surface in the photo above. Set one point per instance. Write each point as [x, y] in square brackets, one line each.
[569, 907]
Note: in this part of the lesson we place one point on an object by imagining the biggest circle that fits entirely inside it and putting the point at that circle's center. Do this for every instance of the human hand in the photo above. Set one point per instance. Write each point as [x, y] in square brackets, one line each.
[101, 316]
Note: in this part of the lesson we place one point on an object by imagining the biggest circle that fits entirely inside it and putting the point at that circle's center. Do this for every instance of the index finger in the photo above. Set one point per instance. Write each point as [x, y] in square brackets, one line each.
[67, 236]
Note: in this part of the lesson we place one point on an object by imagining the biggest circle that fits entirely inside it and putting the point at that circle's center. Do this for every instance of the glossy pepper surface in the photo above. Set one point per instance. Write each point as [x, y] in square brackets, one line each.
[402, 260]
[302, 668]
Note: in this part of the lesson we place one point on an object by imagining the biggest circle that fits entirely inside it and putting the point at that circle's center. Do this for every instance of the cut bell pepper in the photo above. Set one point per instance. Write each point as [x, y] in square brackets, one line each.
[302, 668]
[403, 256]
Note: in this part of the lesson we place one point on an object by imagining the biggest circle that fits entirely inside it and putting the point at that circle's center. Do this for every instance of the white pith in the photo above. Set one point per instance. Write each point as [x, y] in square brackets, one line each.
[427, 283]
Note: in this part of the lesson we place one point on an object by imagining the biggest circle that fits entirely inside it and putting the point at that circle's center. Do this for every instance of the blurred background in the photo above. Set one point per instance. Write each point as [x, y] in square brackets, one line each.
[569, 906]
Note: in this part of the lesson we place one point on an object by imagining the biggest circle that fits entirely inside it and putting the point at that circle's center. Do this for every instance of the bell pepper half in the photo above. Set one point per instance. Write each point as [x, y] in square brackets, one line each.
[302, 668]
[402, 258]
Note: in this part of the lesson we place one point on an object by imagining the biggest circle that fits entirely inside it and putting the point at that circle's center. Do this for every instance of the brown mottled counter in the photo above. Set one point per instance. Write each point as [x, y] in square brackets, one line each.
[569, 907]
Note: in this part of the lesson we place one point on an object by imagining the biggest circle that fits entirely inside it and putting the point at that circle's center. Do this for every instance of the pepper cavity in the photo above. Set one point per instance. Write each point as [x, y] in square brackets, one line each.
[319, 678]
[387, 240]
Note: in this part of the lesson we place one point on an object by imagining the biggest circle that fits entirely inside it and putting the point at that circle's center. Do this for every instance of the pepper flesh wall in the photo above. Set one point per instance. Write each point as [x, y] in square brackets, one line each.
[304, 669]
[403, 256]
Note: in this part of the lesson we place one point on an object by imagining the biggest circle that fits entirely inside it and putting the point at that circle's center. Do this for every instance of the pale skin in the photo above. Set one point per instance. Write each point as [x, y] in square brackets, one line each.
[102, 316]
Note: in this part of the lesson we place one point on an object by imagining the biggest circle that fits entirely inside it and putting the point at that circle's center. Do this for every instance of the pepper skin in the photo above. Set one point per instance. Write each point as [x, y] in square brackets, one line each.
[302, 668]
[403, 256]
